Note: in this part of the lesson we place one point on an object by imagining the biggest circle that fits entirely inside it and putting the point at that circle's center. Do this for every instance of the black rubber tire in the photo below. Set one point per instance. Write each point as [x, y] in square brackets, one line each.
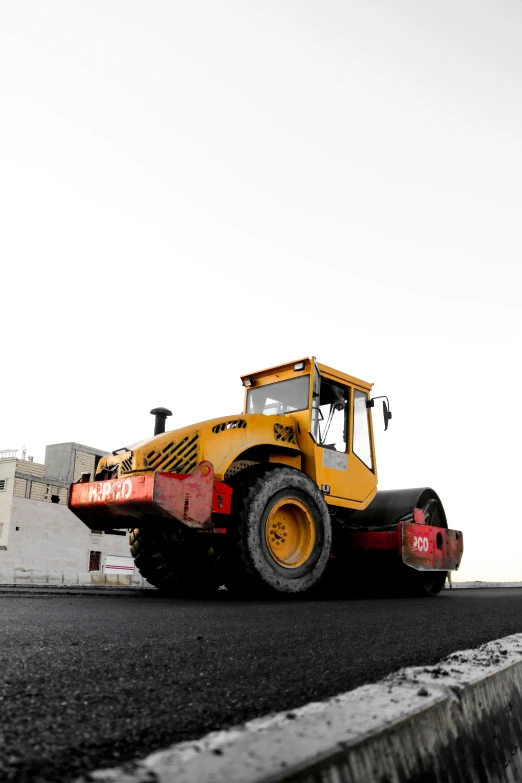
[250, 568]
[185, 567]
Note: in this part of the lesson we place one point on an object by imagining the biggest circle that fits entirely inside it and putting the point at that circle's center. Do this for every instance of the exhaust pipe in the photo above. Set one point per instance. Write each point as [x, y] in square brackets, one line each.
[160, 419]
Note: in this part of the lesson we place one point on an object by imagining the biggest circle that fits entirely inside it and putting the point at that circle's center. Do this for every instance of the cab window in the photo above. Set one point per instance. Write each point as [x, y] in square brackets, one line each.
[276, 399]
[361, 429]
[330, 414]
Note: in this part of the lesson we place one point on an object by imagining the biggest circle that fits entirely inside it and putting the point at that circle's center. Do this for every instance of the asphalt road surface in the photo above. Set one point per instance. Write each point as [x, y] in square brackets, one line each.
[95, 680]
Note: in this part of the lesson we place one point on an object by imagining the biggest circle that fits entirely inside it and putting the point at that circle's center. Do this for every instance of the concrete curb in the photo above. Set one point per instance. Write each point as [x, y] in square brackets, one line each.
[480, 585]
[455, 722]
[56, 590]
[20, 576]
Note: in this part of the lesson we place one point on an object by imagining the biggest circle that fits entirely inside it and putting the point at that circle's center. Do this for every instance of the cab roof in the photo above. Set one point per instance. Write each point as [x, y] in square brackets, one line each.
[275, 373]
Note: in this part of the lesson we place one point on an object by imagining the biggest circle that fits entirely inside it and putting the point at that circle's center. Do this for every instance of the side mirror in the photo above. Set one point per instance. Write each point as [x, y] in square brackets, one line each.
[386, 414]
[385, 411]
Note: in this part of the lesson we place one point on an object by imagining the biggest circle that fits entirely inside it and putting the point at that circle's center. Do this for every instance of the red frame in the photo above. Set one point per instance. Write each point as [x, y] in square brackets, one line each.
[192, 499]
[423, 547]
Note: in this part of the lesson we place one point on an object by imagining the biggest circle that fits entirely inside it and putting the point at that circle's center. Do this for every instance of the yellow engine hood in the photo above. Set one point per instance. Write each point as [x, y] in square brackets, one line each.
[219, 441]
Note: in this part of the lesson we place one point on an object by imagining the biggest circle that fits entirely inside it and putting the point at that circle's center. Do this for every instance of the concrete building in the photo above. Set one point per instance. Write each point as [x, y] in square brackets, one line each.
[37, 530]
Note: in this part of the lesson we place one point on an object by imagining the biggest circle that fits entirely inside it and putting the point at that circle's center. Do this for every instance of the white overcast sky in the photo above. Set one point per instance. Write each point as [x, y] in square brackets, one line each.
[191, 190]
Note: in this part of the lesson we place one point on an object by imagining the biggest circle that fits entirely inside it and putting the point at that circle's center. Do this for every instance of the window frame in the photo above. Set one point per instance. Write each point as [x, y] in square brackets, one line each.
[91, 553]
[3, 485]
[347, 418]
[366, 395]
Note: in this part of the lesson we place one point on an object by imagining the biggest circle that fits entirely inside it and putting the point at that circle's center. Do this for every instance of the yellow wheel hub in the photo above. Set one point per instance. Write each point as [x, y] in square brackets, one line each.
[290, 532]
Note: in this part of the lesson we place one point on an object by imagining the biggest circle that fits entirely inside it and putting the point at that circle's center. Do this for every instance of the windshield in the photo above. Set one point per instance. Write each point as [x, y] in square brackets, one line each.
[276, 399]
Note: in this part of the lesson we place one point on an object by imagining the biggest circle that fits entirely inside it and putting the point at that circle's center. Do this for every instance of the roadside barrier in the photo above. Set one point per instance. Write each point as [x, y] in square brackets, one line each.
[20, 576]
[457, 722]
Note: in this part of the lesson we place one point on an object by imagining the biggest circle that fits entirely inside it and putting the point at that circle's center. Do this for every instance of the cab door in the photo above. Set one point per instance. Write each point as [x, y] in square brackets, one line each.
[340, 428]
[331, 402]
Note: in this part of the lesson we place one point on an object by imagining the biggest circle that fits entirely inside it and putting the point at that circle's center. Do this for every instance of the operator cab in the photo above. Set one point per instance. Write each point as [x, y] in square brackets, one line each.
[332, 411]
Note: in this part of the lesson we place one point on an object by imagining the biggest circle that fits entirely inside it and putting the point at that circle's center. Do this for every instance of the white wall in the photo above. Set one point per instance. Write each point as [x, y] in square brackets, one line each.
[7, 472]
[52, 538]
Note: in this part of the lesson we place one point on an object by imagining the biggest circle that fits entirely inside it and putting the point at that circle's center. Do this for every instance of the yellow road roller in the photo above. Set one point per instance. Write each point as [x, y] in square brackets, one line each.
[281, 498]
